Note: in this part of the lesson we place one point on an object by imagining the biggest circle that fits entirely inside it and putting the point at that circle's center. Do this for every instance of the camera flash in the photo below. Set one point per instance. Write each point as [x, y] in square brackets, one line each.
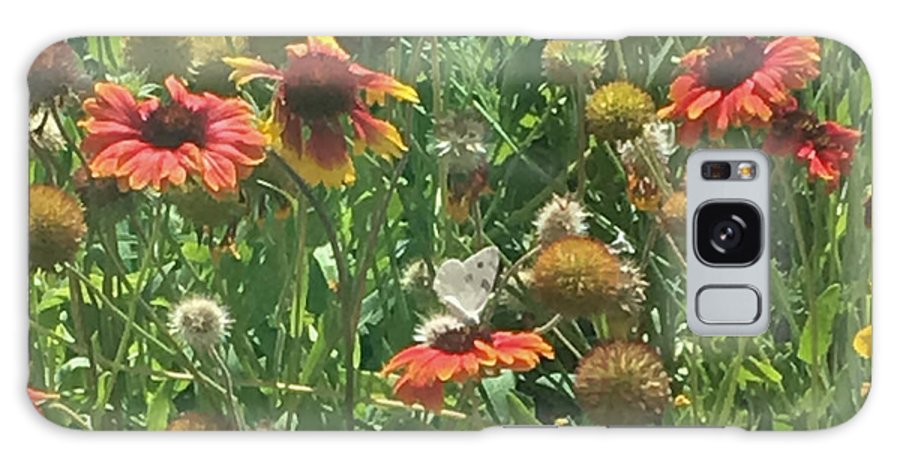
[746, 170]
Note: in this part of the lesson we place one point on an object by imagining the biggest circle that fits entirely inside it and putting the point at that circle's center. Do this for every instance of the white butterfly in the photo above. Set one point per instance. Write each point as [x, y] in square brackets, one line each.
[464, 286]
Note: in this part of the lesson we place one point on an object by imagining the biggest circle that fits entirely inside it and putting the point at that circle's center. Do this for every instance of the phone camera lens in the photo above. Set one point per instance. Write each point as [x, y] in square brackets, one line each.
[728, 233]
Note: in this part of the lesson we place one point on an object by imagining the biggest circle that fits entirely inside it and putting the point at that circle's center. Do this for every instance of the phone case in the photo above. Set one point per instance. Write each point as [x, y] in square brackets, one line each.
[434, 233]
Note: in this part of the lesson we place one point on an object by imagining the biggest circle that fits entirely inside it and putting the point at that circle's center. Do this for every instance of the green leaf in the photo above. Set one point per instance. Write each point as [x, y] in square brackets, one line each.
[766, 368]
[497, 388]
[519, 412]
[158, 406]
[826, 307]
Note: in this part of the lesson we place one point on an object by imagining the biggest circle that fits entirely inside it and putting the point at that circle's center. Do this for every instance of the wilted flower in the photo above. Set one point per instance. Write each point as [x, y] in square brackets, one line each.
[158, 57]
[568, 62]
[827, 147]
[55, 226]
[618, 111]
[580, 276]
[464, 188]
[460, 141]
[622, 383]
[197, 206]
[196, 421]
[562, 216]
[102, 199]
[673, 212]
[200, 321]
[416, 283]
[738, 81]
[862, 342]
[55, 72]
[640, 156]
[317, 92]
[452, 351]
[151, 142]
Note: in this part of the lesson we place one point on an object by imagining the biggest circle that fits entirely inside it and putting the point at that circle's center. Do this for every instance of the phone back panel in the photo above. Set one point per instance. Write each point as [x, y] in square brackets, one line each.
[435, 233]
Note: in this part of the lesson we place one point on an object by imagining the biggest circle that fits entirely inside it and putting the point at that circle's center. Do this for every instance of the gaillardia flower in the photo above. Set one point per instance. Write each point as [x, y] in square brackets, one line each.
[569, 62]
[827, 147]
[738, 81]
[200, 321]
[618, 111]
[622, 383]
[318, 90]
[862, 342]
[580, 276]
[55, 226]
[562, 216]
[157, 143]
[452, 351]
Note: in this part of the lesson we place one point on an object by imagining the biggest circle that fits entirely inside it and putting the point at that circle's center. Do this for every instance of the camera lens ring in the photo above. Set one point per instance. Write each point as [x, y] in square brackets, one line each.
[743, 244]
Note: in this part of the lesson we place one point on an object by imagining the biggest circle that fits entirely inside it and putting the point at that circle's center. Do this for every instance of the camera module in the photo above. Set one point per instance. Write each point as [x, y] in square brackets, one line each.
[728, 233]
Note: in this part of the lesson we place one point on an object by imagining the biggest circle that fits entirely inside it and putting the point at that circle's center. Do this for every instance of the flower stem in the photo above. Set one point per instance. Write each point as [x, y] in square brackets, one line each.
[231, 400]
[581, 149]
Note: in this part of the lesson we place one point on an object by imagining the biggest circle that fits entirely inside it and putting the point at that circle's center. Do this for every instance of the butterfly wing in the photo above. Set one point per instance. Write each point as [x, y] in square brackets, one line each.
[464, 287]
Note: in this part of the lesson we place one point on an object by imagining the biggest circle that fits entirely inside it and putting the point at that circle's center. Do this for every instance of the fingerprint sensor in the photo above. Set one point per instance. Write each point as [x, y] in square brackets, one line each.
[725, 304]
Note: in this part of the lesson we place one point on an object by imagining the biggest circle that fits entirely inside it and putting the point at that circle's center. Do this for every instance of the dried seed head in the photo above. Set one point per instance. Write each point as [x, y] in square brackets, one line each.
[622, 383]
[562, 216]
[568, 62]
[200, 321]
[55, 226]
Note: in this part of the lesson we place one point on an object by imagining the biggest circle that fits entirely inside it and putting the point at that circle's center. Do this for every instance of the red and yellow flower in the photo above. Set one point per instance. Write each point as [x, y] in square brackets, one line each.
[455, 352]
[160, 143]
[738, 81]
[827, 147]
[318, 91]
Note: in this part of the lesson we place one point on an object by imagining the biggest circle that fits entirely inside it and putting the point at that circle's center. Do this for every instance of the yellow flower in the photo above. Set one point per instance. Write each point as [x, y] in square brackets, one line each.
[862, 342]
[682, 400]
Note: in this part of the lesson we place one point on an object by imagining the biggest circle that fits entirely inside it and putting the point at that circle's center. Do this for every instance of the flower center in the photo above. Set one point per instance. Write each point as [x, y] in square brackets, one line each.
[462, 339]
[320, 87]
[732, 61]
[172, 125]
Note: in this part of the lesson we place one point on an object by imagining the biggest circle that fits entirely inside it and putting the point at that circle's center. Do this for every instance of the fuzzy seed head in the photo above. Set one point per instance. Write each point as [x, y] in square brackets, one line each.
[622, 383]
[200, 321]
[562, 216]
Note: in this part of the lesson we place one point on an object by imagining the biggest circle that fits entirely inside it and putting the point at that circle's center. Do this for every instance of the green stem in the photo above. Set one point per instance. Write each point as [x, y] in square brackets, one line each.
[232, 401]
